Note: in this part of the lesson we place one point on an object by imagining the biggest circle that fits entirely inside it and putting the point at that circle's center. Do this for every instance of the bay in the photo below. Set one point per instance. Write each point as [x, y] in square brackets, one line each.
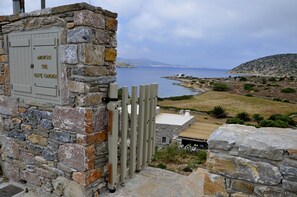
[167, 88]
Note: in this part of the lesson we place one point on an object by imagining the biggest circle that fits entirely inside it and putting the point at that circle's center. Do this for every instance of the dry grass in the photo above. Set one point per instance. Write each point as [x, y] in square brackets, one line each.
[233, 104]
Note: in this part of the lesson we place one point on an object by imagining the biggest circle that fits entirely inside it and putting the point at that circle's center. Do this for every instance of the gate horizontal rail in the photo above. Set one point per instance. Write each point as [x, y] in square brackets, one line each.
[134, 134]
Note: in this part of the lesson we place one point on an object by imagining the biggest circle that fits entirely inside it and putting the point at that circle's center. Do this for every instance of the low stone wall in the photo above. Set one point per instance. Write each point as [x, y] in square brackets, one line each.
[246, 161]
[61, 149]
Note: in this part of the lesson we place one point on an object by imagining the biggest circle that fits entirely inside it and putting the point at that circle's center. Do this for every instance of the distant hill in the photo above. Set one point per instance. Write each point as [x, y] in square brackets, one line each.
[280, 65]
[140, 62]
[123, 65]
[147, 63]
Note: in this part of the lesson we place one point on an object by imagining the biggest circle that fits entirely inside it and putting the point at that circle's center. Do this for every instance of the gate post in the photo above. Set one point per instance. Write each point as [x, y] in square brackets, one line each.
[113, 132]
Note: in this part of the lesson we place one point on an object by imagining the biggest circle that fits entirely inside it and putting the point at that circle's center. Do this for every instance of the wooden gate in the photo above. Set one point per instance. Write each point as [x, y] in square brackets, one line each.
[131, 131]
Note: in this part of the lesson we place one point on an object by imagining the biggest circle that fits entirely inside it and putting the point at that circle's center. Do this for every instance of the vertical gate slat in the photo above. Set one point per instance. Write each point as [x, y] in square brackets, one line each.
[140, 128]
[113, 137]
[124, 133]
[150, 130]
[154, 117]
[146, 125]
[133, 130]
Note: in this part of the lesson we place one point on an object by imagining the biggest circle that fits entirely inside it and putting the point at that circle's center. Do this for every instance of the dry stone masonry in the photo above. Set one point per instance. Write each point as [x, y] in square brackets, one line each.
[245, 161]
[58, 147]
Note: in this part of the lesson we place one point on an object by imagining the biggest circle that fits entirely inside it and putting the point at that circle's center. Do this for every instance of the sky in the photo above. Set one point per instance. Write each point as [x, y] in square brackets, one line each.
[198, 33]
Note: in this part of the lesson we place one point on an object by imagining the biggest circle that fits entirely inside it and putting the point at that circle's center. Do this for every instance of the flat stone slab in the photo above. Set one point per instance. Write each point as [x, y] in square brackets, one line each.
[154, 182]
[265, 142]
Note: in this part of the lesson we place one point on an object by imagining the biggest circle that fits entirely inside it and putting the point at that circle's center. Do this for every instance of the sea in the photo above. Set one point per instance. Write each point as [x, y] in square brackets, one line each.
[167, 88]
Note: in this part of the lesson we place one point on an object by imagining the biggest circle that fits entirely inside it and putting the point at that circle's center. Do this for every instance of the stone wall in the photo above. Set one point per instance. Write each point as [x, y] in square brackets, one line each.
[61, 149]
[245, 161]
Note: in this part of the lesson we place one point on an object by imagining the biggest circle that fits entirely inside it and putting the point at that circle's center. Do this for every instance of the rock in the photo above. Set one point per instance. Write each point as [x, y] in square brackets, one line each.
[47, 124]
[89, 99]
[49, 155]
[78, 119]
[35, 149]
[45, 173]
[214, 185]
[37, 139]
[74, 190]
[73, 156]
[90, 54]
[242, 186]
[264, 143]
[11, 171]
[40, 159]
[89, 18]
[17, 135]
[110, 55]
[34, 116]
[289, 185]
[86, 179]
[32, 178]
[100, 118]
[244, 169]
[8, 124]
[78, 87]
[63, 186]
[272, 191]
[59, 185]
[289, 172]
[79, 35]
[8, 106]
[68, 54]
[27, 158]
[10, 148]
[292, 153]
[63, 136]
[42, 22]
[90, 71]
[111, 24]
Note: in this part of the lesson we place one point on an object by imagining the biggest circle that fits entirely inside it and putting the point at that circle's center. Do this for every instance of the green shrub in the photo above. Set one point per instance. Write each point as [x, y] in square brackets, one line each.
[218, 112]
[277, 99]
[234, 121]
[177, 98]
[273, 123]
[286, 101]
[258, 118]
[243, 116]
[283, 118]
[187, 169]
[291, 78]
[288, 90]
[272, 79]
[162, 166]
[248, 86]
[220, 87]
[249, 95]
[242, 79]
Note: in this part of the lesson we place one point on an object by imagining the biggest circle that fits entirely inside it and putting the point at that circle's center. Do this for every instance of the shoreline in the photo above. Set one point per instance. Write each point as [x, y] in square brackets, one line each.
[267, 87]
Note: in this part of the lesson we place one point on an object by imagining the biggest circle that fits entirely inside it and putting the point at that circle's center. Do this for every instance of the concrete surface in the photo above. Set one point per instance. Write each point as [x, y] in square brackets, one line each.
[153, 182]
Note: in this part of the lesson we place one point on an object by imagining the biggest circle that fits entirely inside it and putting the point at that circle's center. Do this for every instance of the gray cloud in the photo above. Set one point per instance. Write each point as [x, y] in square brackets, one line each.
[212, 33]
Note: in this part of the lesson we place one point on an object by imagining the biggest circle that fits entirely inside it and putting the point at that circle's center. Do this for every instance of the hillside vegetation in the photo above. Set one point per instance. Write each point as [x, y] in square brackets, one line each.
[282, 65]
[233, 104]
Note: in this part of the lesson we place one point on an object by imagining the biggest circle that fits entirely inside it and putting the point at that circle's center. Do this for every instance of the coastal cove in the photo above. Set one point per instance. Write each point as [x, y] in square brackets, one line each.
[167, 88]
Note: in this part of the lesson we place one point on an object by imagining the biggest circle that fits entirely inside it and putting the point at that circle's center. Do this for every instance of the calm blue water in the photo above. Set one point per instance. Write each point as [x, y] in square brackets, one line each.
[148, 75]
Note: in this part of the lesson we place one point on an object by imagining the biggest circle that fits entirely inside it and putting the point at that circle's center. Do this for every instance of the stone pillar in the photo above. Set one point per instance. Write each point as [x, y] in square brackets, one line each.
[61, 148]
[246, 161]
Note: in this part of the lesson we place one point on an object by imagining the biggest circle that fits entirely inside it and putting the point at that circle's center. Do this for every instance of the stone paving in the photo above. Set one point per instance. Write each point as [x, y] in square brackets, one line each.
[153, 182]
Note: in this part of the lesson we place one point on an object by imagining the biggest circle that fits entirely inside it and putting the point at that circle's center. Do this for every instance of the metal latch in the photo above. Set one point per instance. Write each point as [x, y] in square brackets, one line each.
[32, 66]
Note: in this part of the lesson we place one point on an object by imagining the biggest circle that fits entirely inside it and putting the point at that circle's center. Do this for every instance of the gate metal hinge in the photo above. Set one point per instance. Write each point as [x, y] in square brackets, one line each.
[108, 99]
